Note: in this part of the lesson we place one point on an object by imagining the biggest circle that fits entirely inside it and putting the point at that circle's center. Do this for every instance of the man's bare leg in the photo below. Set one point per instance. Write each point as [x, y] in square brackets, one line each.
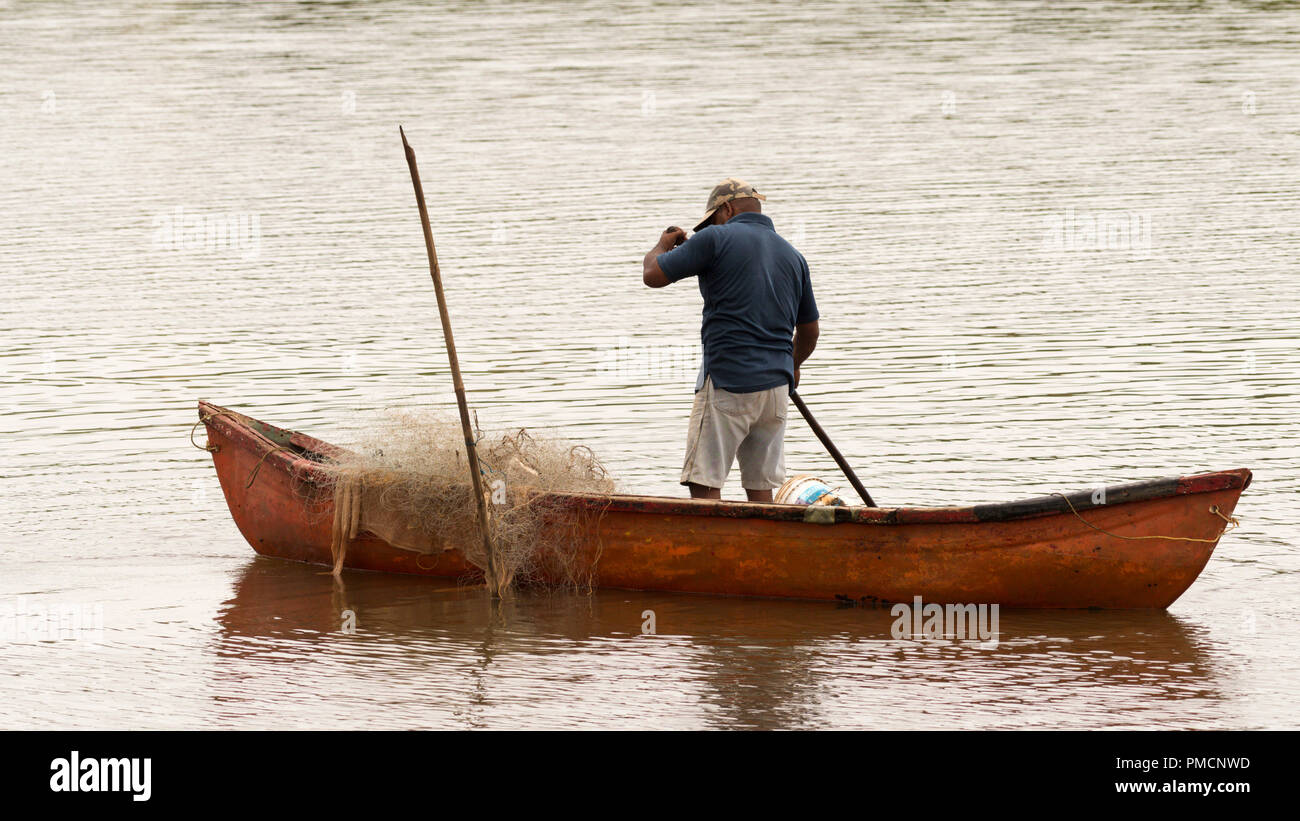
[759, 495]
[702, 492]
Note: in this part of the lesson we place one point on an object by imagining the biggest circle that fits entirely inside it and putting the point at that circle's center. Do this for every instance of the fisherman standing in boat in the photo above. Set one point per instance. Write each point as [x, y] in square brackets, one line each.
[760, 324]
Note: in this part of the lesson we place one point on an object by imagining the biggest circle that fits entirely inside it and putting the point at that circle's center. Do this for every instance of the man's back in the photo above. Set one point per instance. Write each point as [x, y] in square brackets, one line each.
[760, 325]
[756, 288]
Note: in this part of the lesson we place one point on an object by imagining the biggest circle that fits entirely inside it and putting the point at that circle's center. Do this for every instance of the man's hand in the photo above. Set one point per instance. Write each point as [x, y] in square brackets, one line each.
[671, 238]
[651, 273]
[805, 341]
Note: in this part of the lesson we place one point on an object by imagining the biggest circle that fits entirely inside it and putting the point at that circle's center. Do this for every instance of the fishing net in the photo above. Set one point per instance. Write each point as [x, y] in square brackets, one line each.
[407, 481]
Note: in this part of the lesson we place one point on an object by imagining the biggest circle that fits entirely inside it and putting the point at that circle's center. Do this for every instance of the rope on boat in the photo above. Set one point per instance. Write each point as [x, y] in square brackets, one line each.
[1230, 523]
[347, 519]
[253, 474]
[1231, 520]
[203, 420]
[419, 556]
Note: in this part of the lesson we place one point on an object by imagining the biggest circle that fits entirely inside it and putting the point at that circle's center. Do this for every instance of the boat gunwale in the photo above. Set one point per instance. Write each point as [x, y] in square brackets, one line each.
[289, 452]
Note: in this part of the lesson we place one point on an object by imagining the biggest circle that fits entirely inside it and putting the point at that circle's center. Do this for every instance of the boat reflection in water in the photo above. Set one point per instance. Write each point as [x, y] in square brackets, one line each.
[382, 650]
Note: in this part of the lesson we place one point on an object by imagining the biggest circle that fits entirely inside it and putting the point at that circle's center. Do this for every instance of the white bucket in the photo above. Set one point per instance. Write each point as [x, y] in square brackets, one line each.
[806, 490]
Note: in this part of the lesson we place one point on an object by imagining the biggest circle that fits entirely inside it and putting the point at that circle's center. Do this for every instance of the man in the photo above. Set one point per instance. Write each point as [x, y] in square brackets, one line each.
[760, 324]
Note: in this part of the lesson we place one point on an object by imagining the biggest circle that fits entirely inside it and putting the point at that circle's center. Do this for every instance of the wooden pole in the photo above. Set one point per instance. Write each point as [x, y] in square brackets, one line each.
[495, 583]
[830, 447]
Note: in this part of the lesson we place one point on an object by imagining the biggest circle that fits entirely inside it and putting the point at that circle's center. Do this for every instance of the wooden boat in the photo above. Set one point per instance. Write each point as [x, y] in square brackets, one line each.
[1140, 547]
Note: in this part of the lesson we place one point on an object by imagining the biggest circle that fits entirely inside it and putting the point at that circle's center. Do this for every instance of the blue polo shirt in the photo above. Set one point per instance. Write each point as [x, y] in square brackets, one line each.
[756, 288]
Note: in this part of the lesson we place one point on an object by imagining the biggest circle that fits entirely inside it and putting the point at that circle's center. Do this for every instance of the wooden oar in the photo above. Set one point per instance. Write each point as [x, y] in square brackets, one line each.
[495, 583]
[830, 447]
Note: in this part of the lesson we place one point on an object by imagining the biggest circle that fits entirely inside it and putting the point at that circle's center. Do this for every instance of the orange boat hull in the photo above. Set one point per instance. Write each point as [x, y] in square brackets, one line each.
[1037, 553]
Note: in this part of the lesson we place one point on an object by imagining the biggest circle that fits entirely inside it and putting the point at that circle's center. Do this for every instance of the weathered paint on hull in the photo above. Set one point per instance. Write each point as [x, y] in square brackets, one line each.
[1044, 562]
[1016, 555]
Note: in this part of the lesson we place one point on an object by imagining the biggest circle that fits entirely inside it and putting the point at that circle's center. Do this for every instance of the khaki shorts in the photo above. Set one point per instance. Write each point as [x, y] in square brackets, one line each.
[727, 425]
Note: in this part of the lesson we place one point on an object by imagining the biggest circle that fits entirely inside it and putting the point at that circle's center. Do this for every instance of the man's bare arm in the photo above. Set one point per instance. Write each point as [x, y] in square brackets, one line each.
[805, 342]
[652, 275]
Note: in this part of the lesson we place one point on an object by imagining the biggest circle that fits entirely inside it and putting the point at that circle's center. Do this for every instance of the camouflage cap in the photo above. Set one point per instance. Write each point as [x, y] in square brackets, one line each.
[726, 191]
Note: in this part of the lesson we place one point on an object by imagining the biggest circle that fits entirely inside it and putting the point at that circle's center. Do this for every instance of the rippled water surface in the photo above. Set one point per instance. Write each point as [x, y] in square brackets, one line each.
[1053, 247]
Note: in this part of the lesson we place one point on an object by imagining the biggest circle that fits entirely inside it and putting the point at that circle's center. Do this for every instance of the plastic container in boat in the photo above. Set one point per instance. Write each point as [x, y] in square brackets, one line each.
[806, 490]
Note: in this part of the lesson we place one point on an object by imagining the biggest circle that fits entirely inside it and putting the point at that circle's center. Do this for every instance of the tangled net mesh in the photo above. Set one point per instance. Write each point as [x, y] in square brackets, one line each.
[407, 480]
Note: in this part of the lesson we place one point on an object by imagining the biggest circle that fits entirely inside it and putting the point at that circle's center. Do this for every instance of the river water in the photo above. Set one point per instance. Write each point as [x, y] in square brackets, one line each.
[1053, 248]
